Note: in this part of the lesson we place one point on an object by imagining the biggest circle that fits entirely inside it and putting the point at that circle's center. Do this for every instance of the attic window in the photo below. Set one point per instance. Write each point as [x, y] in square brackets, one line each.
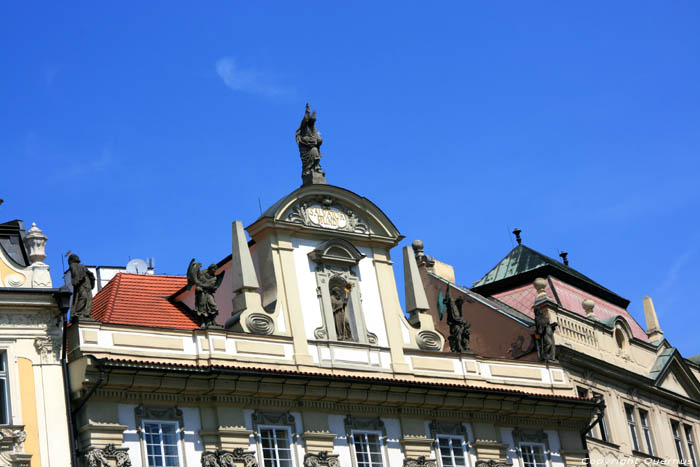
[620, 339]
[336, 250]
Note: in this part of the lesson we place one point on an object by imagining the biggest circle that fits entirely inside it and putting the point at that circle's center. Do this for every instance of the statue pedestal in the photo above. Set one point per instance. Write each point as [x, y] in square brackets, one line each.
[314, 178]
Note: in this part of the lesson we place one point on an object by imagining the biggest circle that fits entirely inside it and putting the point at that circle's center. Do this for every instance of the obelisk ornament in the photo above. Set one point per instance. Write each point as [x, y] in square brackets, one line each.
[206, 282]
[309, 141]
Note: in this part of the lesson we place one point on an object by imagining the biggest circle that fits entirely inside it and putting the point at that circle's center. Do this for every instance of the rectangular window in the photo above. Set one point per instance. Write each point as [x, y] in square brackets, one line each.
[644, 421]
[601, 430]
[368, 449]
[452, 451]
[629, 412]
[4, 399]
[676, 429]
[276, 446]
[691, 443]
[161, 444]
[533, 455]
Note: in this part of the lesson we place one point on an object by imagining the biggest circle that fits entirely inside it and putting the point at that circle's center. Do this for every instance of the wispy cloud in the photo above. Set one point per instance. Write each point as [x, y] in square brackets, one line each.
[50, 73]
[247, 80]
[103, 161]
[673, 272]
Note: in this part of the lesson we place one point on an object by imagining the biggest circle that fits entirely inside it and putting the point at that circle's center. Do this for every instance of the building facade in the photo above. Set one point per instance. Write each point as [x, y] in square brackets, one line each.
[648, 392]
[309, 361]
[33, 417]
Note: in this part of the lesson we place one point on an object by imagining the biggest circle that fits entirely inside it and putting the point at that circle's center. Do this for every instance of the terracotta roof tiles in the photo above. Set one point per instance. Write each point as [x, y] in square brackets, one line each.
[142, 300]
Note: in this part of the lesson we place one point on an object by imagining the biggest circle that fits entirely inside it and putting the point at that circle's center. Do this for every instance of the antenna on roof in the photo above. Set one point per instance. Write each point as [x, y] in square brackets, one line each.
[563, 255]
[260, 206]
[137, 266]
[517, 232]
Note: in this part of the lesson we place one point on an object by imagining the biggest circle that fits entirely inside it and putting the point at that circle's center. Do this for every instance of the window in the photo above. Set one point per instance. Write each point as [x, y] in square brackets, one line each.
[644, 421]
[161, 443]
[368, 449]
[276, 446]
[629, 411]
[533, 455]
[601, 431]
[690, 442]
[452, 451]
[676, 429]
[4, 405]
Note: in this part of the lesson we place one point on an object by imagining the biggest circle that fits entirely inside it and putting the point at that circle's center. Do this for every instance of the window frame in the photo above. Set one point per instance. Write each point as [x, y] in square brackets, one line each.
[531, 444]
[632, 426]
[5, 390]
[380, 439]
[290, 439]
[678, 439]
[690, 442]
[178, 440]
[463, 444]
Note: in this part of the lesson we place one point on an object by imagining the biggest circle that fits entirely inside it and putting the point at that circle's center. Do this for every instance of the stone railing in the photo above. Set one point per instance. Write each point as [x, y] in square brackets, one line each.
[576, 331]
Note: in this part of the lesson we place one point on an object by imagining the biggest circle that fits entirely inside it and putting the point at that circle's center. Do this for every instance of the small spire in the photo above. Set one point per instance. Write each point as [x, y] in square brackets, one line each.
[564, 259]
[517, 232]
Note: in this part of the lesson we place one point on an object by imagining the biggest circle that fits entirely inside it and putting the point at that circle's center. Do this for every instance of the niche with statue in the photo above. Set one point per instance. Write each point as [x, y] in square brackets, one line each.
[339, 293]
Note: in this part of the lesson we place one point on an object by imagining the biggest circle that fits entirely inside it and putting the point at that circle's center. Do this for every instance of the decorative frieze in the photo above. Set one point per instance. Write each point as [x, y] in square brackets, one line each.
[48, 348]
[235, 458]
[491, 463]
[326, 213]
[322, 459]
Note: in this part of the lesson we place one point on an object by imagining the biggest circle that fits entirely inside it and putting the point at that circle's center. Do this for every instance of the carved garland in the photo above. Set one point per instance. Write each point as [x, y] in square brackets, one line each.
[491, 463]
[419, 462]
[221, 458]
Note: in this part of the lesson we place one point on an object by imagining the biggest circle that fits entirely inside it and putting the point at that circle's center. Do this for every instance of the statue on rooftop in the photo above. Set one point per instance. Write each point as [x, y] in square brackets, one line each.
[309, 141]
[459, 328]
[83, 281]
[206, 282]
[544, 335]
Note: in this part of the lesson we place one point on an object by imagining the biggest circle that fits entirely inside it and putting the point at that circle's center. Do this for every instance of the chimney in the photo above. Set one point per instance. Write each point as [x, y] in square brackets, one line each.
[653, 329]
[564, 258]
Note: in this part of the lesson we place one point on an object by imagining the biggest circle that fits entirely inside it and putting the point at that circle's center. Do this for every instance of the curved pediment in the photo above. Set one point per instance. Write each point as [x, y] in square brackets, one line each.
[330, 209]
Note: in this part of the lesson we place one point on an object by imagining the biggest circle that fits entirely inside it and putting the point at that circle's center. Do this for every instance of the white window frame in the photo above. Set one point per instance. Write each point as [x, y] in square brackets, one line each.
[678, 440]
[531, 444]
[380, 437]
[632, 425]
[5, 395]
[452, 438]
[689, 436]
[647, 432]
[178, 438]
[292, 447]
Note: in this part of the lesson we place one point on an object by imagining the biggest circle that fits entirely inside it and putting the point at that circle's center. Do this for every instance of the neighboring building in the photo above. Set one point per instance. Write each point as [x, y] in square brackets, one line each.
[33, 420]
[313, 361]
[651, 393]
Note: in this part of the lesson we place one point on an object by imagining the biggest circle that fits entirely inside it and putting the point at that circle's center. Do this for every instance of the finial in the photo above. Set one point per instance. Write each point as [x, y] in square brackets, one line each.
[309, 141]
[35, 241]
[417, 246]
[588, 306]
[517, 232]
[540, 284]
[563, 255]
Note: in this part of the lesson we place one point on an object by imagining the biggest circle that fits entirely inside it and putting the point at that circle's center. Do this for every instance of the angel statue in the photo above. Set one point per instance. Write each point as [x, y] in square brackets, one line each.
[206, 282]
[309, 141]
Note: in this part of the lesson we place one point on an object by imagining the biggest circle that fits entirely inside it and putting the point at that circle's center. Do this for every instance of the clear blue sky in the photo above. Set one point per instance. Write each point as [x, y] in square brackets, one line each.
[137, 131]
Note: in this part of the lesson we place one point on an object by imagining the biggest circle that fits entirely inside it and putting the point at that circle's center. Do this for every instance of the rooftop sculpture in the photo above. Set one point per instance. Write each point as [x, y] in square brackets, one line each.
[309, 141]
[206, 282]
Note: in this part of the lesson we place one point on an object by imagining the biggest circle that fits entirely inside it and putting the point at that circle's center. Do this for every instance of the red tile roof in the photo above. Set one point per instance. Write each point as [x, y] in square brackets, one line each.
[142, 300]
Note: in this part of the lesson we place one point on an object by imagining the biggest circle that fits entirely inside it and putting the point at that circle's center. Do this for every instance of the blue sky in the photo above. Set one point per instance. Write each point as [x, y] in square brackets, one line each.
[144, 131]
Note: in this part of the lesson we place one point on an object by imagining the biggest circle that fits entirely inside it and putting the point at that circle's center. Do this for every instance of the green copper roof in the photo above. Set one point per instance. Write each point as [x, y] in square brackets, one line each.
[524, 264]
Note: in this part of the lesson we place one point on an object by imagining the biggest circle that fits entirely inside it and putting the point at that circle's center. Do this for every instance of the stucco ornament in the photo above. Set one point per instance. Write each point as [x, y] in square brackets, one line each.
[206, 282]
[309, 141]
[83, 282]
[35, 242]
[108, 457]
[221, 458]
[491, 463]
[322, 459]
[419, 462]
[48, 348]
[459, 328]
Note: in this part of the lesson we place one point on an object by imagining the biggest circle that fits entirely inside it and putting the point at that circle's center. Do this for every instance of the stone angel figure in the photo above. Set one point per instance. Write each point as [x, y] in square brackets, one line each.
[309, 141]
[459, 328]
[206, 282]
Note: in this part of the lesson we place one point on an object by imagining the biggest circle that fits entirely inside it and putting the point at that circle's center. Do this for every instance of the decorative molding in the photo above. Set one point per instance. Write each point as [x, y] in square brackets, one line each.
[25, 319]
[491, 463]
[12, 438]
[48, 348]
[429, 340]
[158, 413]
[529, 436]
[273, 418]
[102, 457]
[321, 459]
[440, 427]
[321, 333]
[325, 212]
[372, 338]
[221, 458]
[419, 462]
[259, 323]
[363, 423]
